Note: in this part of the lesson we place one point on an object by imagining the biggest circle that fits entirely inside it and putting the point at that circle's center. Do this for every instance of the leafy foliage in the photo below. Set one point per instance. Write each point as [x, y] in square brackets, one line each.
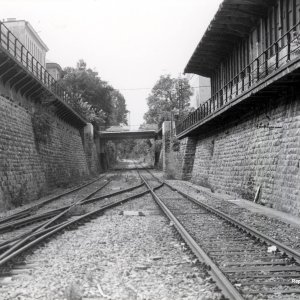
[168, 95]
[119, 111]
[41, 127]
[145, 126]
[176, 145]
[134, 148]
[91, 114]
[94, 98]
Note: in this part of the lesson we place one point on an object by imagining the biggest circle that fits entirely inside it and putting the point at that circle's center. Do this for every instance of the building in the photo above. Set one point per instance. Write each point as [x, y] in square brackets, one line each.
[202, 89]
[25, 33]
[243, 46]
[246, 137]
[54, 69]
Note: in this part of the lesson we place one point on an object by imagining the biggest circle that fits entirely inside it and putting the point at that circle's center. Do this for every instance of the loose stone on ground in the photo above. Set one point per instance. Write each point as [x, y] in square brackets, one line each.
[114, 257]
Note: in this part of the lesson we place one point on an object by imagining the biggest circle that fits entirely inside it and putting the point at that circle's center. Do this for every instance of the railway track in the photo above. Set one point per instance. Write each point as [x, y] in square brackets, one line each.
[18, 227]
[24, 240]
[13, 220]
[27, 211]
[245, 263]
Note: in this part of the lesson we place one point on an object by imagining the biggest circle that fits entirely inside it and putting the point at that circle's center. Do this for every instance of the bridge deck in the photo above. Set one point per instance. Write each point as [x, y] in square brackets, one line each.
[119, 135]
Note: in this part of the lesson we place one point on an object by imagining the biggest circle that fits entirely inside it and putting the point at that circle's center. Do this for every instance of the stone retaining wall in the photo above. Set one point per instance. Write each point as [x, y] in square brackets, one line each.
[177, 157]
[187, 152]
[29, 166]
[260, 148]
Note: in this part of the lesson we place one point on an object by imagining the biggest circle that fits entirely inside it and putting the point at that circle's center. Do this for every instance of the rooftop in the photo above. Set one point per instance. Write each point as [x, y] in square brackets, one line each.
[26, 23]
[232, 22]
[53, 65]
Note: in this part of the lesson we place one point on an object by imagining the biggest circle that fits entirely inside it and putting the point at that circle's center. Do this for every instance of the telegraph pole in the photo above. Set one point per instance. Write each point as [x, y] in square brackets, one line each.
[180, 99]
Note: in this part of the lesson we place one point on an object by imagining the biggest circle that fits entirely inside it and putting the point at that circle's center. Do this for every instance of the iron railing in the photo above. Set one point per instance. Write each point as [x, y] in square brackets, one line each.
[285, 49]
[10, 43]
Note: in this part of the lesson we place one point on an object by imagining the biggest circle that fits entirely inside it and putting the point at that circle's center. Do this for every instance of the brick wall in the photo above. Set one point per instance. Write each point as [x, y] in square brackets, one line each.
[261, 147]
[28, 167]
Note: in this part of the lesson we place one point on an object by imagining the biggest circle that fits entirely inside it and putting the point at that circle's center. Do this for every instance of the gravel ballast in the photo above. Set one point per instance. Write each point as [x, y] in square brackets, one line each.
[286, 233]
[113, 257]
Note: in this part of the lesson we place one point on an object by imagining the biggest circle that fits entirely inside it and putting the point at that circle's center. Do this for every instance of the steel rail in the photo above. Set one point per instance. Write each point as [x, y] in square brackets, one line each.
[42, 216]
[60, 227]
[64, 212]
[225, 285]
[131, 169]
[113, 194]
[245, 229]
[7, 244]
[35, 206]
[39, 228]
[252, 231]
[49, 214]
[28, 220]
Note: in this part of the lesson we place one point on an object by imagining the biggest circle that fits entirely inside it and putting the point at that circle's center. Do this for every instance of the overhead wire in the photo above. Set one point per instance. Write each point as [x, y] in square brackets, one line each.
[136, 89]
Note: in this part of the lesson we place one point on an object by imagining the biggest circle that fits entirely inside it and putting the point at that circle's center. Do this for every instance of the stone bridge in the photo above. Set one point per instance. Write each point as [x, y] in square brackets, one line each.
[132, 134]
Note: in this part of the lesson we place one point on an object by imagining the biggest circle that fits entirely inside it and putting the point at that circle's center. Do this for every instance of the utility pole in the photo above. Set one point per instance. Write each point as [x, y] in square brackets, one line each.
[180, 99]
[172, 129]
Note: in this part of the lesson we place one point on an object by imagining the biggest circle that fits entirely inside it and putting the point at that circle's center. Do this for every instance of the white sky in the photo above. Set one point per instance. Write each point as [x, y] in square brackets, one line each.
[129, 42]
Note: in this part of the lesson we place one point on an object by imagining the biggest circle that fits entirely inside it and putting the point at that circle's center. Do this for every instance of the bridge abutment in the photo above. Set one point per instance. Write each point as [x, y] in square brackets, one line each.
[177, 157]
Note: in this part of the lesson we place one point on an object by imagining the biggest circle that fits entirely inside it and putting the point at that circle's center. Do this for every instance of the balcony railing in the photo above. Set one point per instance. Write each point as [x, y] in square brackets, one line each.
[11, 44]
[284, 50]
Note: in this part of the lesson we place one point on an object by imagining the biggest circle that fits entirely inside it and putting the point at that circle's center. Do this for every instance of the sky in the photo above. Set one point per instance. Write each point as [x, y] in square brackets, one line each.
[130, 43]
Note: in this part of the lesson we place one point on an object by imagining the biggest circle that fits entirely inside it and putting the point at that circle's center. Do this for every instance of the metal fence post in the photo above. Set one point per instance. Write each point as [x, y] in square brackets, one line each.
[7, 40]
[257, 69]
[266, 62]
[289, 46]
[277, 55]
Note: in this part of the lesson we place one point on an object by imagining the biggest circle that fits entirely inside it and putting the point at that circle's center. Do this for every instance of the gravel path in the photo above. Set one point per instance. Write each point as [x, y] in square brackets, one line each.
[113, 257]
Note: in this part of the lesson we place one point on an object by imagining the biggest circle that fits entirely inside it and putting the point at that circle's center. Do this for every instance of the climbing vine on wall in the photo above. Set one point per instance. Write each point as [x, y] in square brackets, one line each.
[41, 125]
[176, 145]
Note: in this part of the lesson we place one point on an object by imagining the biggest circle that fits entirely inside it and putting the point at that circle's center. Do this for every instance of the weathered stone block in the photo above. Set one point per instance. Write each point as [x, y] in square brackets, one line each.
[26, 166]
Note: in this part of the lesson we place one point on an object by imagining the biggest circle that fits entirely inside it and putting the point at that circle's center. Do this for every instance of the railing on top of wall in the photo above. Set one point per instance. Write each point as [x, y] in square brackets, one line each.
[10, 43]
[285, 49]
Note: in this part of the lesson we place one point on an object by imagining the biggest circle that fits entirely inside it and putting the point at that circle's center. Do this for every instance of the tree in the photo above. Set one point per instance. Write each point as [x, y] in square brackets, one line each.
[99, 102]
[119, 112]
[168, 95]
